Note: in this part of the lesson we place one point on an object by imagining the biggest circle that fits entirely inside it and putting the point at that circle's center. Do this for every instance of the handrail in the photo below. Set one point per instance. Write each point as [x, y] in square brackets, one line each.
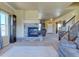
[70, 29]
[67, 33]
[74, 25]
[70, 20]
[63, 35]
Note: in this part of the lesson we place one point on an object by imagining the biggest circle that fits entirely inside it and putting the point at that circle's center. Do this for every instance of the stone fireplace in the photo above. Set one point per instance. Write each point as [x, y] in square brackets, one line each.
[31, 31]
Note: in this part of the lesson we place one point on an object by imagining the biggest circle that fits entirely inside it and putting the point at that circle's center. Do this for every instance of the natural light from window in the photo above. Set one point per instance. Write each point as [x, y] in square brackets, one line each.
[3, 18]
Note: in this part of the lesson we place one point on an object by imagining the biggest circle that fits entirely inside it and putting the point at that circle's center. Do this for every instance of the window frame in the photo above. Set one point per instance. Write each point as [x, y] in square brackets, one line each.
[3, 31]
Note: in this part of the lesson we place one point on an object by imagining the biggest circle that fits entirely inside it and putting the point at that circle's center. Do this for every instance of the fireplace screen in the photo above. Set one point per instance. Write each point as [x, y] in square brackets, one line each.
[33, 32]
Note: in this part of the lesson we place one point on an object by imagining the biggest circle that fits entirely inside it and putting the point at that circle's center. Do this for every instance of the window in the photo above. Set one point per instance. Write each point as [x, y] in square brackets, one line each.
[39, 27]
[59, 25]
[3, 18]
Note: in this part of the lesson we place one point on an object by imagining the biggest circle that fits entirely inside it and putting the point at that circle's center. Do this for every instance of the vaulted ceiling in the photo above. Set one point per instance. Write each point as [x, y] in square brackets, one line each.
[47, 9]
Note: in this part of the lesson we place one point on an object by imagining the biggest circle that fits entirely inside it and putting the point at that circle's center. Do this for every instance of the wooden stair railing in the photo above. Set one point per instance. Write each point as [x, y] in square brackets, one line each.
[61, 33]
[70, 20]
[74, 30]
[71, 30]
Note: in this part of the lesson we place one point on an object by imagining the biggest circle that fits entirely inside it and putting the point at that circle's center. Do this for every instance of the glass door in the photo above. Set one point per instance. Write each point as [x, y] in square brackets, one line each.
[0, 32]
[2, 28]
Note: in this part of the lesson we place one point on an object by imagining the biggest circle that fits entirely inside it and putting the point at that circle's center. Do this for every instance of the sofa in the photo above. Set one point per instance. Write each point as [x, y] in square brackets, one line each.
[68, 49]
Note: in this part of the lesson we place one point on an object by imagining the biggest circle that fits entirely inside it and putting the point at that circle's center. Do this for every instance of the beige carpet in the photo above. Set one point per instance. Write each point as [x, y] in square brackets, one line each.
[31, 51]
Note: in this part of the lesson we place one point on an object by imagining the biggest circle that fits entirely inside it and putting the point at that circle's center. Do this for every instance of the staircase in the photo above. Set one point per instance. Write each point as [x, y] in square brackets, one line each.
[72, 30]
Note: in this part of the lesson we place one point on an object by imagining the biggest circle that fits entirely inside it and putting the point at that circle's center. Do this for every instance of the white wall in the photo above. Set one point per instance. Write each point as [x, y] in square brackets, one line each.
[51, 28]
[25, 17]
[19, 24]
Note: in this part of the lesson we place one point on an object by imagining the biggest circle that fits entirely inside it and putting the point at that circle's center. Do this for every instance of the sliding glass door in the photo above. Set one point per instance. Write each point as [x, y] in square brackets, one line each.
[7, 28]
[3, 24]
[4, 33]
[0, 33]
[2, 28]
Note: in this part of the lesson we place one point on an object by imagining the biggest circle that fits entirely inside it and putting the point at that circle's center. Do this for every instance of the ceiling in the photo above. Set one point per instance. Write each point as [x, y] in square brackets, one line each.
[46, 9]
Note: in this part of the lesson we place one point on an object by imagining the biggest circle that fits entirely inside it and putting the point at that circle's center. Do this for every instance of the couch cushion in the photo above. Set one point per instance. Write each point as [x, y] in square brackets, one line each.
[66, 43]
[77, 42]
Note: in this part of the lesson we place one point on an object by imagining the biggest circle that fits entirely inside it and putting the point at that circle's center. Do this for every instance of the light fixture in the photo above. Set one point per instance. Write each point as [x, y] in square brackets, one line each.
[51, 19]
